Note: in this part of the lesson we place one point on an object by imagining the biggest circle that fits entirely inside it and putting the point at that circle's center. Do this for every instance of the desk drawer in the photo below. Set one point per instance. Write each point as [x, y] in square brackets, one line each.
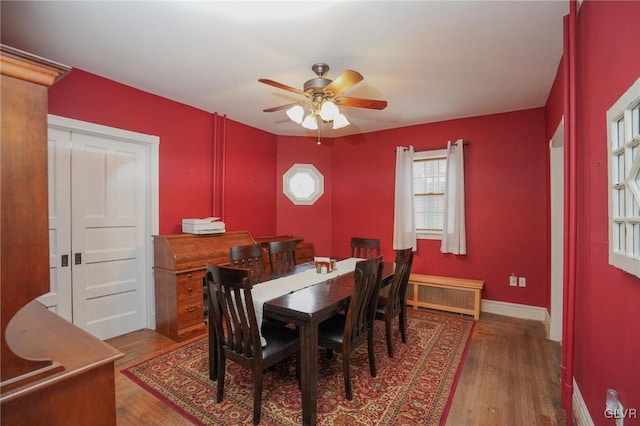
[189, 284]
[190, 312]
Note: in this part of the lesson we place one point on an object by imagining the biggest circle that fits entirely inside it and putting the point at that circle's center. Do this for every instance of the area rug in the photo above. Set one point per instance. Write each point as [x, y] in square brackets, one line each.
[412, 388]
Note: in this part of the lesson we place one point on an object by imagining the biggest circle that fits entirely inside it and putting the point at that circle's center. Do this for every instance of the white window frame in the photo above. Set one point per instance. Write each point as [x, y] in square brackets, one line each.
[428, 155]
[623, 144]
[303, 184]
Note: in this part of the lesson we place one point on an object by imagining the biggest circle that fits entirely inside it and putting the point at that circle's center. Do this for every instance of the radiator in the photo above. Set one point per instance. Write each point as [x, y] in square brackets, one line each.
[449, 294]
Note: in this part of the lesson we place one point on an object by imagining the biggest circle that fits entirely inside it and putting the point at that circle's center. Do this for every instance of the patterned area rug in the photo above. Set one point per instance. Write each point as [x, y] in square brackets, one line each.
[413, 388]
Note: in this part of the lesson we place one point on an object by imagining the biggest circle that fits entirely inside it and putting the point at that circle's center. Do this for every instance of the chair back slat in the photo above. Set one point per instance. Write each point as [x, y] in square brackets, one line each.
[282, 254]
[232, 295]
[365, 248]
[361, 311]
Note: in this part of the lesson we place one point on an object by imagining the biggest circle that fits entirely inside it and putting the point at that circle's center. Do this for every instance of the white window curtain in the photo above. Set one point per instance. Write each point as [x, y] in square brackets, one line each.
[404, 229]
[454, 238]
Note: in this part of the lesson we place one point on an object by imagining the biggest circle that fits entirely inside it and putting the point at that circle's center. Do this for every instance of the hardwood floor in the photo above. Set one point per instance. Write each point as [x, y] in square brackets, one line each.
[134, 405]
[511, 376]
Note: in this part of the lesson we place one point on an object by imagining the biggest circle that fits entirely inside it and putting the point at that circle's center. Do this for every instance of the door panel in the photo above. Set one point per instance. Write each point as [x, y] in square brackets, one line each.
[58, 299]
[108, 205]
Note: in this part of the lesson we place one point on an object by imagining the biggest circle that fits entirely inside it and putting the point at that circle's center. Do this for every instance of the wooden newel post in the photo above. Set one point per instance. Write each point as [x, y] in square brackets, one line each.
[24, 251]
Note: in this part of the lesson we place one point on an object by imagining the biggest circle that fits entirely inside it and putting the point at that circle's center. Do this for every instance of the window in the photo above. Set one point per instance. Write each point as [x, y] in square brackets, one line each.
[429, 177]
[623, 140]
[303, 184]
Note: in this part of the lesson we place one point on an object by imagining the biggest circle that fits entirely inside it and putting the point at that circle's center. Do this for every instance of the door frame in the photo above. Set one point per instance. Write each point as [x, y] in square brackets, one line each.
[556, 194]
[152, 149]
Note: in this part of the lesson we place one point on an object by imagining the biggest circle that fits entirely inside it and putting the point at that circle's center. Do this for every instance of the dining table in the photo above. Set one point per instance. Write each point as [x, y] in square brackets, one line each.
[307, 307]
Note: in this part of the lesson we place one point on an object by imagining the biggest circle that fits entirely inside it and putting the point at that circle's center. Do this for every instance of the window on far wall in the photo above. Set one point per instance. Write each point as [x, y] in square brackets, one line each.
[623, 140]
[429, 172]
[303, 184]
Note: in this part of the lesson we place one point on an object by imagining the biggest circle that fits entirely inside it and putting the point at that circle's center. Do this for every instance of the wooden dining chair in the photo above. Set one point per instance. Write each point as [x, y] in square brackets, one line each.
[394, 303]
[346, 332]
[237, 333]
[282, 254]
[248, 256]
[365, 248]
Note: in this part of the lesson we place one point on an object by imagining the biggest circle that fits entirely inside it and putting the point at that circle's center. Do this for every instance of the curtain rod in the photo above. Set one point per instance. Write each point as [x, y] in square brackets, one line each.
[434, 147]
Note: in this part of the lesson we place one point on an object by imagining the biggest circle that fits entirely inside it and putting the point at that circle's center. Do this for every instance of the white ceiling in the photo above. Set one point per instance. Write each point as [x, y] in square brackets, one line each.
[431, 60]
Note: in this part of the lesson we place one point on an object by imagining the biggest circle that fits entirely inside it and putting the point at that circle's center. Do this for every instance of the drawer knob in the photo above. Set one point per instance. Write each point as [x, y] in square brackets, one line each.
[190, 275]
[190, 289]
[191, 309]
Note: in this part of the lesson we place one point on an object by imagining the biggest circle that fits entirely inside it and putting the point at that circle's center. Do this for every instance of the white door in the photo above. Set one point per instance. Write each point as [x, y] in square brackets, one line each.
[99, 198]
[58, 299]
[108, 202]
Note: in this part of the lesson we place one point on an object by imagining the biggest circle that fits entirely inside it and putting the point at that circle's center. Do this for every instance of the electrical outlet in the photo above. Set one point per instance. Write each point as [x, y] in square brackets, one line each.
[614, 408]
[522, 282]
[513, 280]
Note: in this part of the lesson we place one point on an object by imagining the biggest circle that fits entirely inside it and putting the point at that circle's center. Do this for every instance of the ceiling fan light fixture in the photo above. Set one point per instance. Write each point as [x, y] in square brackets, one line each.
[324, 96]
[329, 111]
[296, 113]
[340, 121]
[310, 122]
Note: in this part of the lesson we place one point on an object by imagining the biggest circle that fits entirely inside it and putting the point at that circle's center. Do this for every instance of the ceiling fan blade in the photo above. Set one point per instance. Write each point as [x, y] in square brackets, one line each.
[281, 86]
[281, 107]
[360, 103]
[343, 82]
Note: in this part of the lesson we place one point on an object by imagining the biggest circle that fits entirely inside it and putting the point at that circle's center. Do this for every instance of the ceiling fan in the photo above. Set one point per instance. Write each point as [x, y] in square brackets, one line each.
[323, 96]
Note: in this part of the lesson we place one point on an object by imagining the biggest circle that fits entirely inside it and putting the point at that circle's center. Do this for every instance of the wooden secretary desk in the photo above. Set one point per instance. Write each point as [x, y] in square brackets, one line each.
[180, 263]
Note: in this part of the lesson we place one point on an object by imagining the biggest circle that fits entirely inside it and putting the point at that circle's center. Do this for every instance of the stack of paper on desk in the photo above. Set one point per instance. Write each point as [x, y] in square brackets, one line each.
[208, 225]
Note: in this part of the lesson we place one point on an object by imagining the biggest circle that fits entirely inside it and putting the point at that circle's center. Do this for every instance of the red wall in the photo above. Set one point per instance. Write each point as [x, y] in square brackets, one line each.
[506, 198]
[314, 222]
[250, 179]
[607, 343]
[186, 153]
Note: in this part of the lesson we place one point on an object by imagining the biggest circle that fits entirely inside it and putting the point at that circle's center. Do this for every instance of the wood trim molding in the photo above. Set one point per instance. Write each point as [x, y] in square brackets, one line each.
[580, 410]
[514, 310]
[25, 66]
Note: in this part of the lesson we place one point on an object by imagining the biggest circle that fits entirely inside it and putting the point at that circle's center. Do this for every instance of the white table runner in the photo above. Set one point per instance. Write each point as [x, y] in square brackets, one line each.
[268, 290]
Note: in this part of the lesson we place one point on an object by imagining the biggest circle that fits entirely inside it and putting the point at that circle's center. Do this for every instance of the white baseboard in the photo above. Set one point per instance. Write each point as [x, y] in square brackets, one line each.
[547, 323]
[581, 416]
[515, 310]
